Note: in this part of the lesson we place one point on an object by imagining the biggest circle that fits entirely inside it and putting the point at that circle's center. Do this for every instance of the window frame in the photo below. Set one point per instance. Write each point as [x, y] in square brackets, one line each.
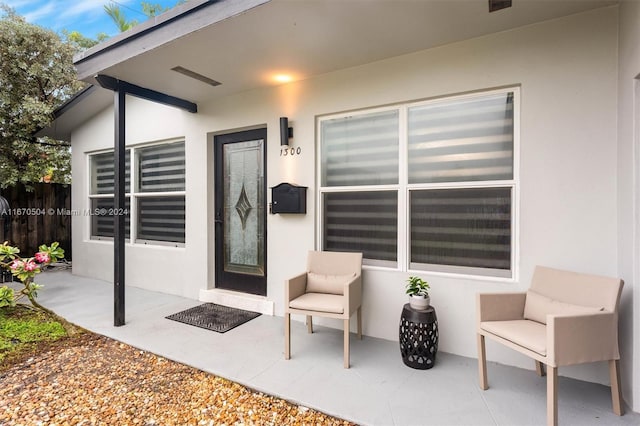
[94, 196]
[134, 195]
[404, 188]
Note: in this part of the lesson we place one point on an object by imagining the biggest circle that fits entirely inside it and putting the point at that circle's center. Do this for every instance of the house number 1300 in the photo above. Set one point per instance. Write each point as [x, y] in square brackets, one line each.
[290, 151]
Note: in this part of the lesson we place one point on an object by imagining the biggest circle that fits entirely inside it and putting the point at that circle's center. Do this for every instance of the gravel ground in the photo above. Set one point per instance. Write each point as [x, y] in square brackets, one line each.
[93, 380]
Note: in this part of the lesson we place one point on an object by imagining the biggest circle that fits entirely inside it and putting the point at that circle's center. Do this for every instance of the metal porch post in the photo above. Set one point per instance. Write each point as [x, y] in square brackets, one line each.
[118, 208]
[121, 89]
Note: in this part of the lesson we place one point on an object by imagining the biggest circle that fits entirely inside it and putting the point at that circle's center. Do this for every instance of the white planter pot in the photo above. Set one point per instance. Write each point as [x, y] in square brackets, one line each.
[419, 303]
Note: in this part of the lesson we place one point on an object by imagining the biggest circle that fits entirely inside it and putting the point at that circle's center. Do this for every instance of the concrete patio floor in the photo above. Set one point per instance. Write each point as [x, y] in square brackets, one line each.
[378, 389]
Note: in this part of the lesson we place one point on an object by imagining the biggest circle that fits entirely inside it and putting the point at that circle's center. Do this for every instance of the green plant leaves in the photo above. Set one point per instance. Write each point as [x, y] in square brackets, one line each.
[416, 286]
[7, 297]
[25, 269]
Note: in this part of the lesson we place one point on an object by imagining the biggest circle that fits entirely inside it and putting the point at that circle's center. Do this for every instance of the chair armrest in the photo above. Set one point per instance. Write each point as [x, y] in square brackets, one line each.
[576, 339]
[294, 287]
[500, 306]
[353, 293]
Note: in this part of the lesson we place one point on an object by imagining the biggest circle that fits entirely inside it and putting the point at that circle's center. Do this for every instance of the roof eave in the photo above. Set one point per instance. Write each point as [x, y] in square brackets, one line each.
[157, 32]
[68, 116]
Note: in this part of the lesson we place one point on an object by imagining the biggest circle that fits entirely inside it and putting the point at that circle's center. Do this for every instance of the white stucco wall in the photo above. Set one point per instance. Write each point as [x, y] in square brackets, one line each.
[628, 186]
[153, 267]
[567, 71]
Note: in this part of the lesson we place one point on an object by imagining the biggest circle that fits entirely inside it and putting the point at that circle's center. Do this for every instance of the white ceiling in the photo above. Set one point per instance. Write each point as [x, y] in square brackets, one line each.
[303, 38]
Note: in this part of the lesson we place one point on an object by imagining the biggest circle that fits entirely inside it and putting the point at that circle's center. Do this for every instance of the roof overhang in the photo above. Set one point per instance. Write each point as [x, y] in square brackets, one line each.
[244, 44]
[247, 44]
[77, 110]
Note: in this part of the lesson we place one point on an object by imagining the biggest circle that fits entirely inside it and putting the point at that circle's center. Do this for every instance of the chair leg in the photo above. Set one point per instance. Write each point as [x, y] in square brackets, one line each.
[346, 343]
[482, 363]
[616, 395]
[309, 324]
[552, 396]
[287, 336]
[359, 323]
[540, 369]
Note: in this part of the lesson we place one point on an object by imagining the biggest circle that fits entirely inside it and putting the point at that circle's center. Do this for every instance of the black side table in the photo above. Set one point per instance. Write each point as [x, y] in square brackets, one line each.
[418, 337]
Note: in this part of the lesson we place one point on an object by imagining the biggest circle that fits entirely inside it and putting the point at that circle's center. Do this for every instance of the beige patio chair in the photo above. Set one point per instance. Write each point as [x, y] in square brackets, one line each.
[331, 287]
[564, 318]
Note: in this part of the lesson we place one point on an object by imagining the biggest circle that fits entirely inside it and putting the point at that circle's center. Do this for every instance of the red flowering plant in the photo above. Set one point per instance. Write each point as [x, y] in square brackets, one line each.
[25, 270]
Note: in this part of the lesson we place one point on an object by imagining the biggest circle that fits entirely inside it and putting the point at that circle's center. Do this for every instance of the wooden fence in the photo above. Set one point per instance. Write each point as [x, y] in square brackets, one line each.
[41, 216]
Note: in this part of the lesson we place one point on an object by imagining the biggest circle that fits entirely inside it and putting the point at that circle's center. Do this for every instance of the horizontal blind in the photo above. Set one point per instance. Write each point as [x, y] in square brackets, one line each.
[364, 222]
[102, 223]
[462, 140]
[162, 168]
[102, 174]
[360, 150]
[462, 227]
[161, 218]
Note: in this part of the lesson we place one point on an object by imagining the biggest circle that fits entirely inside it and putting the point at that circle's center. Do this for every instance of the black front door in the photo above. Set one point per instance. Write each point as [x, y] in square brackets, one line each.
[240, 209]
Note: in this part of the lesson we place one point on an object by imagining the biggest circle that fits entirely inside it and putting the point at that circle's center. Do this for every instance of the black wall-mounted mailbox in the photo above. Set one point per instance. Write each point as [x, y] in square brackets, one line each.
[289, 198]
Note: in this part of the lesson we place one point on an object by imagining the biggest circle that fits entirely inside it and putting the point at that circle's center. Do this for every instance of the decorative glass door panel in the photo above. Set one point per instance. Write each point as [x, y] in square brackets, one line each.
[240, 221]
[243, 207]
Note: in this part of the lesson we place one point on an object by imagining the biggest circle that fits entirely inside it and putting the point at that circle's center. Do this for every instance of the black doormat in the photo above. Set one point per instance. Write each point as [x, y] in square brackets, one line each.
[214, 317]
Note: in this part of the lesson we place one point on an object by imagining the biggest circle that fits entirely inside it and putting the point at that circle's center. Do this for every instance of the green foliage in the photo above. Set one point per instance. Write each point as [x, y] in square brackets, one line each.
[7, 297]
[20, 326]
[80, 42]
[149, 9]
[8, 252]
[54, 251]
[25, 269]
[36, 76]
[416, 286]
[118, 17]
[152, 10]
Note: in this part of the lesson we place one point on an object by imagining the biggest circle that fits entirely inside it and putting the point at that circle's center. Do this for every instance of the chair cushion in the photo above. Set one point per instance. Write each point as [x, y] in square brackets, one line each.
[528, 334]
[538, 306]
[319, 302]
[329, 284]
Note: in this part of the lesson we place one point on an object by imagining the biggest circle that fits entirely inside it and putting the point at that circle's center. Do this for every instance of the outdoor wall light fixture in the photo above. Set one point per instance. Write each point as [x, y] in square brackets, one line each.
[286, 132]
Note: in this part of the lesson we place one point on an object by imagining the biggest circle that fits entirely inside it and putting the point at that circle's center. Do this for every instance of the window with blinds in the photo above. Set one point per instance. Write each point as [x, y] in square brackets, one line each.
[161, 218]
[102, 175]
[158, 198]
[101, 194]
[469, 228]
[425, 186]
[102, 222]
[365, 222]
[161, 168]
[458, 141]
[360, 150]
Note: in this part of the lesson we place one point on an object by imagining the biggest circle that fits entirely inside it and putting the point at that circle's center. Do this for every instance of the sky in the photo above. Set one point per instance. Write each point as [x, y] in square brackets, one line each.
[86, 16]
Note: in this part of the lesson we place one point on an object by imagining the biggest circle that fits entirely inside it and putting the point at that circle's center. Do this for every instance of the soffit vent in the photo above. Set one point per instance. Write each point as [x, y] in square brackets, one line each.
[495, 5]
[195, 75]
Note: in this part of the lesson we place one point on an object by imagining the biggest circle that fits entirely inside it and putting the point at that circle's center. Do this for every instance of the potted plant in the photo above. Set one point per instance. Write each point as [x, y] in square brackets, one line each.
[418, 291]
